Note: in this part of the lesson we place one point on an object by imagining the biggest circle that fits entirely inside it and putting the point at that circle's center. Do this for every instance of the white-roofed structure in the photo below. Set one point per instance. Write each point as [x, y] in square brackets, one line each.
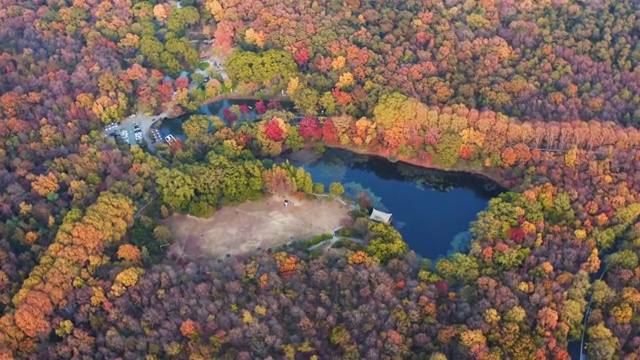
[379, 216]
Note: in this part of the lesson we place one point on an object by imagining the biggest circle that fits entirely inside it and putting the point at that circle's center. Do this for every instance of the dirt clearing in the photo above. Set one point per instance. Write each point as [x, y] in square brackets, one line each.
[255, 224]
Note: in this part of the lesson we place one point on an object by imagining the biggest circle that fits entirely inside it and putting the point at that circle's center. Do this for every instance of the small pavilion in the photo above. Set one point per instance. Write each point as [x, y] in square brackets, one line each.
[379, 216]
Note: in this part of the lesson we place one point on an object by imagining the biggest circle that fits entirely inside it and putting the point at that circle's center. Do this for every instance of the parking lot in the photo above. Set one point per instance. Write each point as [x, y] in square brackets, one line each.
[136, 128]
[129, 131]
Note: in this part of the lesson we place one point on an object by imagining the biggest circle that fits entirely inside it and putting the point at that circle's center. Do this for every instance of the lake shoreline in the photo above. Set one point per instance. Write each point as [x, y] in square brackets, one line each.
[386, 154]
[380, 152]
[431, 208]
[231, 96]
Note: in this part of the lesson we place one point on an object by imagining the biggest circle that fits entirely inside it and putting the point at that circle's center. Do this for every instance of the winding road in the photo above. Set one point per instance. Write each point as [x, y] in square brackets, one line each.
[583, 356]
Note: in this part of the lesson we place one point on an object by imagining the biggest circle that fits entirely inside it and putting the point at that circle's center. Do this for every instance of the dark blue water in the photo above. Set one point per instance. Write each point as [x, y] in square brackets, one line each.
[430, 208]
[174, 125]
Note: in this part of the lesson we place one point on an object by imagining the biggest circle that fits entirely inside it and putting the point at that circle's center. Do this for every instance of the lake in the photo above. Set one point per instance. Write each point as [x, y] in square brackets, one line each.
[173, 126]
[432, 209]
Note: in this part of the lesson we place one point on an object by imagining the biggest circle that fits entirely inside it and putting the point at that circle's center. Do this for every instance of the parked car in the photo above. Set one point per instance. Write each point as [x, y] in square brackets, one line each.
[156, 135]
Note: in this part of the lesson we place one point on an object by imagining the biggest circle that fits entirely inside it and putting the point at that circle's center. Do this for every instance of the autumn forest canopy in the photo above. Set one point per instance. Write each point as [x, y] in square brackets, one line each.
[542, 97]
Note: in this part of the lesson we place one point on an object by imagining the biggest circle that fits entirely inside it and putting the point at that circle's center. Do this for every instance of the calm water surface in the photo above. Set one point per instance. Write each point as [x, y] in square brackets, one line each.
[432, 209]
[174, 126]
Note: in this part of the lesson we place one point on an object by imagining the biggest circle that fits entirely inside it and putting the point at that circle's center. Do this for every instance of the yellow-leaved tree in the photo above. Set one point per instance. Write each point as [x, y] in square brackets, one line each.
[346, 80]
[215, 8]
[256, 38]
[160, 12]
[44, 185]
[338, 63]
[294, 84]
[571, 156]
[125, 279]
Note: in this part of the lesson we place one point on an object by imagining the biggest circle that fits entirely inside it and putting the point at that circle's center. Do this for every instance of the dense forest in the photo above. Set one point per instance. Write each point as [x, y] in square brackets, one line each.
[542, 97]
[541, 60]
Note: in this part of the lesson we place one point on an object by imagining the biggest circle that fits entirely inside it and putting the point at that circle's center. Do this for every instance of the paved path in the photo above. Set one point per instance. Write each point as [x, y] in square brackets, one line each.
[335, 238]
[336, 198]
[583, 356]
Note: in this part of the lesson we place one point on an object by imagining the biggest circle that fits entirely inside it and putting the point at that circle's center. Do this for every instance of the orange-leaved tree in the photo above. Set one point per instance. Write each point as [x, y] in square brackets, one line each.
[79, 243]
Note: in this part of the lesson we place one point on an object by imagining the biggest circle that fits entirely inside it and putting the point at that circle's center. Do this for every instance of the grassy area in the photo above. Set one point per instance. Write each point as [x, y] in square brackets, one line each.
[347, 232]
[318, 239]
[347, 244]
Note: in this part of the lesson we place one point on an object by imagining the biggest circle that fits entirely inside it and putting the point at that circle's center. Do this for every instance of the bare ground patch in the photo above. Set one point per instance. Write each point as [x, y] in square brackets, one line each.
[264, 223]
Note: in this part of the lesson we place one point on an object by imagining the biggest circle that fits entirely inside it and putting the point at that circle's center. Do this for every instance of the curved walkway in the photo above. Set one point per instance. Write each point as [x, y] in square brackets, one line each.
[334, 239]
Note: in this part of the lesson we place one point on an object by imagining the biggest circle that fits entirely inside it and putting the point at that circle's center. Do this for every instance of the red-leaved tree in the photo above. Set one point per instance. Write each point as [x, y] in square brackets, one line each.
[302, 56]
[228, 115]
[261, 108]
[309, 128]
[182, 83]
[273, 131]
